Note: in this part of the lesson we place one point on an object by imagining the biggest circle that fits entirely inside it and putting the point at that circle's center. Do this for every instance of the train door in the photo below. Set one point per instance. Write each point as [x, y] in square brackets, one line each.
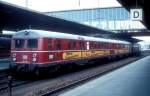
[87, 45]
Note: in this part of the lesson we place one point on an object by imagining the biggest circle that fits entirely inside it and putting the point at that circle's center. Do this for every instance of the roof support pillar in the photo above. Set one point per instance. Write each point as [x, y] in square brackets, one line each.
[1, 31]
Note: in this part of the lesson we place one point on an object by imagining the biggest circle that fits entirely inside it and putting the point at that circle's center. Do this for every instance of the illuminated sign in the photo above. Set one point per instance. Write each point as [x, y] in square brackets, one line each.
[136, 14]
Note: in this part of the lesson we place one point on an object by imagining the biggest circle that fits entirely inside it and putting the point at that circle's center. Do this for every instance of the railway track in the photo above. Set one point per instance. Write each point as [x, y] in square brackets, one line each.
[4, 80]
[75, 79]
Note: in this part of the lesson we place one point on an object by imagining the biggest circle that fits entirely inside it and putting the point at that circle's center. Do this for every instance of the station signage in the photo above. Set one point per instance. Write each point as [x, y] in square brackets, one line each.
[136, 14]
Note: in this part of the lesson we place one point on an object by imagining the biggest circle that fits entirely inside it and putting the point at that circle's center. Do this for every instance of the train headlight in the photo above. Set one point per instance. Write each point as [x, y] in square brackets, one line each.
[51, 56]
[14, 59]
[34, 54]
[14, 55]
[33, 59]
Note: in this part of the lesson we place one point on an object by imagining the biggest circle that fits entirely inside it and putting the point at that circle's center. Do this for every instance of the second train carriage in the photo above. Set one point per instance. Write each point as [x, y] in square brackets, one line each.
[32, 49]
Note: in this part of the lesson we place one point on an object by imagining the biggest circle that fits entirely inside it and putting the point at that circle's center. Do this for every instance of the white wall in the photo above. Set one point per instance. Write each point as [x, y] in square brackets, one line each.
[117, 25]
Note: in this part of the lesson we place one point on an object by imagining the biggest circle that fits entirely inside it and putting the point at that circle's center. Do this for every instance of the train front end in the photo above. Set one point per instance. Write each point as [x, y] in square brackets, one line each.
[25, 51]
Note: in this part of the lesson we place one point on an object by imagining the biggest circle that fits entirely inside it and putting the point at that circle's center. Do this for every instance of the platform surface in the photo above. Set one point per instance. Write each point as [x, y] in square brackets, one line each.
[130, 80]
[4, 63]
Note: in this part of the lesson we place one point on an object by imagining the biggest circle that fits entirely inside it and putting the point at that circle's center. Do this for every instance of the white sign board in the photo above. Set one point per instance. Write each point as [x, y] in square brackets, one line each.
[136, 14]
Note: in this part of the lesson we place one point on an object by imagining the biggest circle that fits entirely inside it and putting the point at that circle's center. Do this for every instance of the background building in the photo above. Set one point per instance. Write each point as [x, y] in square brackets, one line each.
[115, 19]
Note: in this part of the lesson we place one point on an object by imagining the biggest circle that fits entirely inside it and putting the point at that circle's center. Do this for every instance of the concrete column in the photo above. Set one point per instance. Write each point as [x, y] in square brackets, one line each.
[1, 32]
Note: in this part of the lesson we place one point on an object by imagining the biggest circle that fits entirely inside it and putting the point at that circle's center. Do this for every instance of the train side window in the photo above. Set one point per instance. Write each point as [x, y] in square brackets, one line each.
[32, 43]
[19, 43]
[74, 45]
[58, 44]
[106, 45]
[92, 45]
[99, 45]
[127, 46]
[82, 45]
[71, 44]
[49, 44]
[96, 45]
[114, 45]
[119, 46]
[123, 46]
[102, 45]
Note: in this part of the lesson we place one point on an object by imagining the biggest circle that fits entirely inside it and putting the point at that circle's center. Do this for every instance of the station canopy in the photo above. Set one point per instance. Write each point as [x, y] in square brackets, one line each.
[15, 18]
[136, 4]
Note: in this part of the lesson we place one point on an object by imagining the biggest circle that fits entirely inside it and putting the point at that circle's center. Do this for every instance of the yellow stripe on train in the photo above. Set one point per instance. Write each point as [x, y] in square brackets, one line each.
[71, 55]
[84, 54]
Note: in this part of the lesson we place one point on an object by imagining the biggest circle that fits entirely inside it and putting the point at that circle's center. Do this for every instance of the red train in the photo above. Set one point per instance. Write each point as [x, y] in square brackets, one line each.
[34, 49]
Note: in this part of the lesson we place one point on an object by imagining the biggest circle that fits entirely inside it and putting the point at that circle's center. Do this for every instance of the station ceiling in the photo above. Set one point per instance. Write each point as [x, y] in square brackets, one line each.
[144, 4]
[15, 18]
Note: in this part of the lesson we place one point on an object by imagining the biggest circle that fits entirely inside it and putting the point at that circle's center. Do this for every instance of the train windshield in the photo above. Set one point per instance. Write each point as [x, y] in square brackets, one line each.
[32, 43]
[19, 43]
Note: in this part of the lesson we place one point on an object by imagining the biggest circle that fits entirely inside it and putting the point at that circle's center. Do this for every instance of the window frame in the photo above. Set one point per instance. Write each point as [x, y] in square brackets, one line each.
[32, 42]
[22, 46]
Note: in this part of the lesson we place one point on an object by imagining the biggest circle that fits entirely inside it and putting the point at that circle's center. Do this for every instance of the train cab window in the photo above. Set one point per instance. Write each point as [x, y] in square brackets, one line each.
[32, 43]
[19, 43]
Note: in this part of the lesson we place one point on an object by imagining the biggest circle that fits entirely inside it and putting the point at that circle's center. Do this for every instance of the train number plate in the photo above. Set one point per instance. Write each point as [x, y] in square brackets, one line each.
[24, 57]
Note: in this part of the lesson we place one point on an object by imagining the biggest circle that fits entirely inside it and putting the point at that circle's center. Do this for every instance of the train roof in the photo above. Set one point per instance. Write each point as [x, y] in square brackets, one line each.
[30, 33]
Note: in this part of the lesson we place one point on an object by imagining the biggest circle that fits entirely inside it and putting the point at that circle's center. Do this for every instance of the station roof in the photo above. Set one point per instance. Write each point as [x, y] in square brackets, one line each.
[15, 18]
[144, 4]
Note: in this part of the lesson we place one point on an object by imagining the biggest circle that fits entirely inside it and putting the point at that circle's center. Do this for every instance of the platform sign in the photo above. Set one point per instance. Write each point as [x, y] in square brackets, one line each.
[136, 14]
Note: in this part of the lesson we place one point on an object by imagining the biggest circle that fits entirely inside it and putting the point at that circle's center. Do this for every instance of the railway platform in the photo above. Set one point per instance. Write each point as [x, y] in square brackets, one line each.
[130, 80]
[4, 63]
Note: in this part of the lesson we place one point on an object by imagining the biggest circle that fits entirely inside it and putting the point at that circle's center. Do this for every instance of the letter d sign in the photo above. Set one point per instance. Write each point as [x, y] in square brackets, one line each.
[136, 14]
